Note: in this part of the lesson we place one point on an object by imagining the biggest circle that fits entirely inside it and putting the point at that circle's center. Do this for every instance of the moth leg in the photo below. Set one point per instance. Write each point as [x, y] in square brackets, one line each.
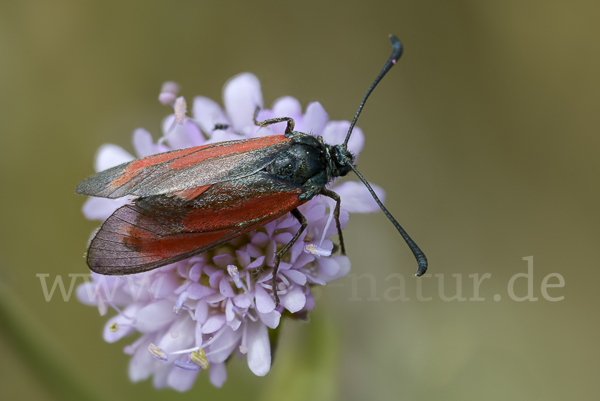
[303, 222]
[336, 214]
[290, 121]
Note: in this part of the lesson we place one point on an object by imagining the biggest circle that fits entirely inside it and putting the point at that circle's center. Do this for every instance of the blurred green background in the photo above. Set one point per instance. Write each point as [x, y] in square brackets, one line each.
[485, 137]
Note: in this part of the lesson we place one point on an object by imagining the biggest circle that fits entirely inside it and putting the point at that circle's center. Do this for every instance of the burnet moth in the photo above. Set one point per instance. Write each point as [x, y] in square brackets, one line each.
[192, 200]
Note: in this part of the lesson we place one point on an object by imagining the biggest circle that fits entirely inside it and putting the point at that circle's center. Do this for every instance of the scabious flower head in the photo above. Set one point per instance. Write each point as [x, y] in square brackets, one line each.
[195, 314]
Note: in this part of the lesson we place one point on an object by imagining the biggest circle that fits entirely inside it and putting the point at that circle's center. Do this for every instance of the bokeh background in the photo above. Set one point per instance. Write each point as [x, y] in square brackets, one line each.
[485, 137]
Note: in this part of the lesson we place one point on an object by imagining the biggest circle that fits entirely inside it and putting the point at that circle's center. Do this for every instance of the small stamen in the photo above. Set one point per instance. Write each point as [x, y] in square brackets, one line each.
[199, 358]
[329, 219]
[102, 308]
[254, 319]
[316, 250]
[180, 301]
[186, 365]
[206, 344]
[184, 351]
[157, 352]
[233, 272]
[180, 110]
[113, 327]
[116, 308]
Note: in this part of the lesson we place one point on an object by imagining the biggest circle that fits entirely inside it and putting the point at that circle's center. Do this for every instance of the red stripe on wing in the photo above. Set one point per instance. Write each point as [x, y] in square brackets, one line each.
[216, 151]
[135, 166]
[180, 170]
[160, 249]
[134, 240]
[251, 210]
[192, 193]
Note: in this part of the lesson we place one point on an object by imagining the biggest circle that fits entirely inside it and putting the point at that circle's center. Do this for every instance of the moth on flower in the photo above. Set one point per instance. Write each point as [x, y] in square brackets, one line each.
[226, 205]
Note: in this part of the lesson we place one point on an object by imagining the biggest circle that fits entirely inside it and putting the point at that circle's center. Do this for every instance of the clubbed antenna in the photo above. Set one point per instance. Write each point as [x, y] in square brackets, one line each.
[396, 53]
[419, 255]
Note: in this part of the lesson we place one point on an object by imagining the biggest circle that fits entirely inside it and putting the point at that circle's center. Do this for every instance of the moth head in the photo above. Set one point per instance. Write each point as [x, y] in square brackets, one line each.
[342, 159]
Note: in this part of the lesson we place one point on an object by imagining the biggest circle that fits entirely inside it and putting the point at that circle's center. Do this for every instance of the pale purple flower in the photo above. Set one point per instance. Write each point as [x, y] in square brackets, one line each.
[194, 314]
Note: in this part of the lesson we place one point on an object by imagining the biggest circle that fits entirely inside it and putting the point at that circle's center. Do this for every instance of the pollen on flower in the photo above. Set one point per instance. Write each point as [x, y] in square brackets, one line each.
[199, 358]
[180, 110]
[233, 272]
[157, 352]
[180, 301]
[317, 251]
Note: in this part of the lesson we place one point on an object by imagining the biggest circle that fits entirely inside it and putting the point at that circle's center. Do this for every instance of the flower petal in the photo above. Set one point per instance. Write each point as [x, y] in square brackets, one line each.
[283, 107]
[271, 319]
[243, 258]
[165, 284]
[101, 208]
[225, 288]
[223, 346]
[264, 302]
[295, 275]
[335, 133]
[287, 106]
[86, 293]
[213, 324]
[229, 312]
[141, 365]
[199, 291]
[195, 271]
[259, 348]
[207, 114]
[260, 239]
[241, 96]
[109, 155]
[161, 375]
[201, 312]
[217, 374]
[294, 300]
[155, 316]
[328, 266]
[257, 263]
[356, 198]
[223, 260]
[181, 335]
[181, 379]
[123, 324]
[181, 136]
[315, 119]
[242, 301]
[344, 264]
[143, 143]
